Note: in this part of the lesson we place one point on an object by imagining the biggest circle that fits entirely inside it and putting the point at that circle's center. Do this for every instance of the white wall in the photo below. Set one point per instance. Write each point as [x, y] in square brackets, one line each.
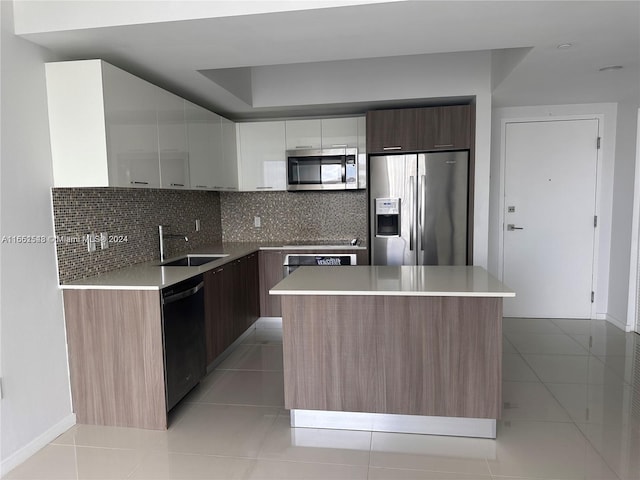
[608, 112]
[37, 403]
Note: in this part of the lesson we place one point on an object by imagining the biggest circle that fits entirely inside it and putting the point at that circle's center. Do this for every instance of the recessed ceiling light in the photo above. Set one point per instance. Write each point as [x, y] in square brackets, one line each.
[610, 67]
[564, 46]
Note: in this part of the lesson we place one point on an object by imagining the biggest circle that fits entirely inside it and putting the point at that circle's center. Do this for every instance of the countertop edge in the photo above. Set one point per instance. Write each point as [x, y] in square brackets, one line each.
[392, 293]
[235, 250]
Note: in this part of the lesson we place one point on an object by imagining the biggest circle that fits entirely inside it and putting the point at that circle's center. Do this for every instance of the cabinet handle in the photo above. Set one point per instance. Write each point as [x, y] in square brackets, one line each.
[263, 188]
[391, 148]
[202, 186]
[304, 146]
[218, 187]
[139, 183]
[340, 145]
[442, 145]
[177, 184]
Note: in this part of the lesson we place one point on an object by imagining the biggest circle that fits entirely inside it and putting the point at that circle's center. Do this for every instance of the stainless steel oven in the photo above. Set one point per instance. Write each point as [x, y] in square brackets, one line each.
[293, 261]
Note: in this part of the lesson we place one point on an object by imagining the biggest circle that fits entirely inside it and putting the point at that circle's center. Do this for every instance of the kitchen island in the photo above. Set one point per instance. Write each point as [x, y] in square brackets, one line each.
[414, 349]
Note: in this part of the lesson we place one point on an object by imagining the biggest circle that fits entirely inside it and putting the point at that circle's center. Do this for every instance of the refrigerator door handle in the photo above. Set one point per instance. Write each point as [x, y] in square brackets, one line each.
[422, 209]
[412, 213]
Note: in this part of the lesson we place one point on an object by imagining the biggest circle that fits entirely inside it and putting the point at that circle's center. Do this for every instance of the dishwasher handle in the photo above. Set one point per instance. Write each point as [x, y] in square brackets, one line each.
[184, 294]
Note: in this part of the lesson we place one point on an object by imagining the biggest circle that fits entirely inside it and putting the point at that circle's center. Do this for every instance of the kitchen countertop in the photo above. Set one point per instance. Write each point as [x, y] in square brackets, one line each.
[152, 276]
[435, 281]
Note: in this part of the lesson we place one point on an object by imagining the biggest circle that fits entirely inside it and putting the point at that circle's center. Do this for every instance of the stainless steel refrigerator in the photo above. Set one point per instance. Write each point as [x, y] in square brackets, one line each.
[419, 208]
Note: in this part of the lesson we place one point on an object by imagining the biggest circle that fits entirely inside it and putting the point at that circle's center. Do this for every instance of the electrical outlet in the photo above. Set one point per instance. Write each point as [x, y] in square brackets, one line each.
[104, 241]
[197, 225]
[257, 222]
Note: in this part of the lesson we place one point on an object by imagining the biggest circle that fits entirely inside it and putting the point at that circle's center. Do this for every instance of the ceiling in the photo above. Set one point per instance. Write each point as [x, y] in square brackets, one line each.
[219, 58]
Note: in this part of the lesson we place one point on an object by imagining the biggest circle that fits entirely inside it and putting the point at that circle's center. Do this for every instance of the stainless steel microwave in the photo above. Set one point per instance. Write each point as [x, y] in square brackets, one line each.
[326, 169]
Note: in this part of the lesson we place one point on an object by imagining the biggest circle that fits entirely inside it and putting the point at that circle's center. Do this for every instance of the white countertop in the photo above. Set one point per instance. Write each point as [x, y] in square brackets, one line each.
[152, 276]
[435, 281]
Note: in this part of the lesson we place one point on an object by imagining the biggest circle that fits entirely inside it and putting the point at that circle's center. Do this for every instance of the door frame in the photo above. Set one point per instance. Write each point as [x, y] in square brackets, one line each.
[633, 310]
[598, 200]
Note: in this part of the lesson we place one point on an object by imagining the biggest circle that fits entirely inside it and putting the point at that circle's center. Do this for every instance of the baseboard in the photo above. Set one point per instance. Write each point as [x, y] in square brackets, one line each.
[269, 322]
[36, 444]
[618, 323]
[600, 316]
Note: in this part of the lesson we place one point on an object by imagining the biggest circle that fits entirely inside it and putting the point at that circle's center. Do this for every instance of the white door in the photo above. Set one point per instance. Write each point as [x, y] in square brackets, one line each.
[550, 192]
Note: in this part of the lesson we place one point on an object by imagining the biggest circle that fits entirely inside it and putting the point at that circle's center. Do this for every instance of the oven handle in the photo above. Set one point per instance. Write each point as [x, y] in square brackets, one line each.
[180, 295]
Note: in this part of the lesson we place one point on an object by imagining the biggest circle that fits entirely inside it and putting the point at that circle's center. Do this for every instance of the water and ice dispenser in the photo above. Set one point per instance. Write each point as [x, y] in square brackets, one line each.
[387, 217]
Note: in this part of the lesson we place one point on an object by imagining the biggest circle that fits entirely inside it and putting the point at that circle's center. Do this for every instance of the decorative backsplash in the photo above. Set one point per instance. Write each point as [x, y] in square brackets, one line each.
[130, 217]
[292, 216]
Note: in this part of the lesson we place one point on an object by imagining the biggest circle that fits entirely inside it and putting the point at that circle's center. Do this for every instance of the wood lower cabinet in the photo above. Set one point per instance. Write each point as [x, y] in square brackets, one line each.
[271, 272]
[116, 357]
[231, 303]
[432, 356]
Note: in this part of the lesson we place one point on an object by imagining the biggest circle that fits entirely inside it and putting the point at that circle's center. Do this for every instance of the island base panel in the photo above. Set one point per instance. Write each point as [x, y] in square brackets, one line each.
[381, 422]
[425, 356]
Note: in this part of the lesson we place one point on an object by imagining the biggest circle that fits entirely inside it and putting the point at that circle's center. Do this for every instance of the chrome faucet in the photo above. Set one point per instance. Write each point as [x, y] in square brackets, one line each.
[163, 235]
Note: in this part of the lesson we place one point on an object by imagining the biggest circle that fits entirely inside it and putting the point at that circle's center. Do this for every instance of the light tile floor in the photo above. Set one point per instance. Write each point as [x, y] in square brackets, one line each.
[571, 411]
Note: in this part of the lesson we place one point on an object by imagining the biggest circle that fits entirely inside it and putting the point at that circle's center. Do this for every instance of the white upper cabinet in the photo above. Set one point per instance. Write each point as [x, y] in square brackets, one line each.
[227, 168]
[323, 133]
[262, 156]
[303, 134]
[340, 132]
[111, 128]
[172, 140]
[131, 129]
[212, 150]
[204, 135]
[103, 127]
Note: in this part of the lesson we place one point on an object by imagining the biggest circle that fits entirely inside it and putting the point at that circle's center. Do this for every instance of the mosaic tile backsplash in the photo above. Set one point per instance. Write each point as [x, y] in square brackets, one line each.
[130, 217]
[293, 216]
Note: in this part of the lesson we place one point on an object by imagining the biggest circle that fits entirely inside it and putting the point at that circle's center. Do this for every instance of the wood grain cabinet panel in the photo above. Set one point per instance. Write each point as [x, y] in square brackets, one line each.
[116, 357]
[436, 356]
[444, 128]
[231, 303]
[271, 272]
[391, 131]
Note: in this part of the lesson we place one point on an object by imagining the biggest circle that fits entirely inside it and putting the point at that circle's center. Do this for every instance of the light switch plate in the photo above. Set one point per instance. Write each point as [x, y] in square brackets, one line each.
[91, 242]
[257, 222]
[104, 240]
[197, 225]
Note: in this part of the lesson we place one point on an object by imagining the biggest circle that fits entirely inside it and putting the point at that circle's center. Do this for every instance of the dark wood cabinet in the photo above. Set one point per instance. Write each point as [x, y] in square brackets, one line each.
[444, 128]
[419, 129]
[231, 303]
[271, 272]
[391, 131]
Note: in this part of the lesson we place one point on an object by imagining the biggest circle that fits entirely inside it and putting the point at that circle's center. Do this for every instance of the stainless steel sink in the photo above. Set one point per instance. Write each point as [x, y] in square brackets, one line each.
[194, 260]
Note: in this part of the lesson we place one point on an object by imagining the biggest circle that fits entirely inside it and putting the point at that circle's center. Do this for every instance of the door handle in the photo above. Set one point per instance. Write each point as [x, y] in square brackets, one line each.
[412, 213]
[422, 206]
[511, 227]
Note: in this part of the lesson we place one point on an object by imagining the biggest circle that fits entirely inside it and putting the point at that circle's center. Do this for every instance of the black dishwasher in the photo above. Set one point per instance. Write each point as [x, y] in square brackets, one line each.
[184, 338]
